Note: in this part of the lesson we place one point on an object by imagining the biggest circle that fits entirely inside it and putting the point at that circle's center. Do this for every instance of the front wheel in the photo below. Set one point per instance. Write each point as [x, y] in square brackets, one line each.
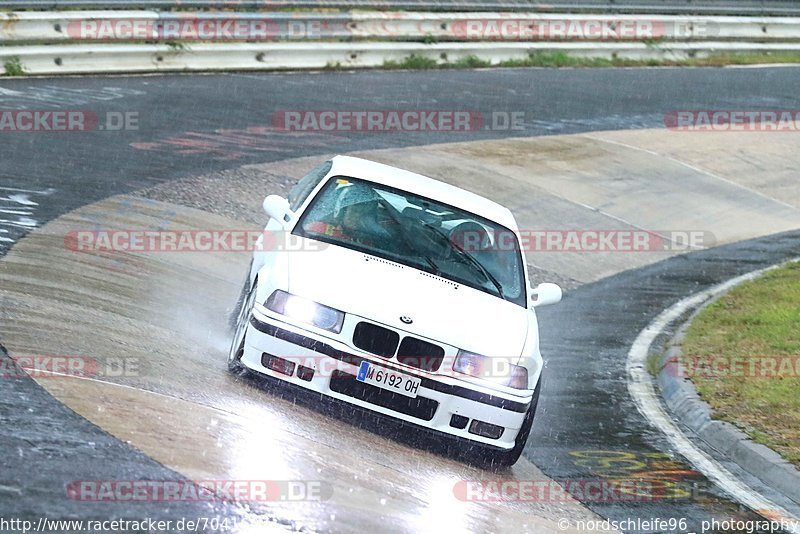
[236, 350]
[494, 458]
[233, 316]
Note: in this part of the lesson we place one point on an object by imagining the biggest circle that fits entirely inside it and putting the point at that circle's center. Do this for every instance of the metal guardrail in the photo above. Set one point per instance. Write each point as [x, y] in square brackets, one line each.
[676, 7]
[83, 59]
[130, 26]
[120, 41]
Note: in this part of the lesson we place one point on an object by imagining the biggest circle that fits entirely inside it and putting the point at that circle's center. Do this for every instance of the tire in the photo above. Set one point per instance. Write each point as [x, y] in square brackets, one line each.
[233, 316]
[236, 350]
[494, 458]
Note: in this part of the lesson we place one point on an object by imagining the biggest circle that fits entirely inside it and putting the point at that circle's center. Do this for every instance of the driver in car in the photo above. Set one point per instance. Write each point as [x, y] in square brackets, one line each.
[356, 223]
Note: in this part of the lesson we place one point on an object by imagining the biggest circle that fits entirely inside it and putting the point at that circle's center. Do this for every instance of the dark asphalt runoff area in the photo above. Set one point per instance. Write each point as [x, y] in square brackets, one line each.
[587, 425]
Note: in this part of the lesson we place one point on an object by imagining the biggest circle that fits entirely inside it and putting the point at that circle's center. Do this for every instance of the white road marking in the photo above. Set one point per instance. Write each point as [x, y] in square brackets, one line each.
[50, 96]
[625, 221]
[20, 198]
[692, 167]
[760, 66]
[19, 205]
[640, 386]
[49, 373]
[44, 192]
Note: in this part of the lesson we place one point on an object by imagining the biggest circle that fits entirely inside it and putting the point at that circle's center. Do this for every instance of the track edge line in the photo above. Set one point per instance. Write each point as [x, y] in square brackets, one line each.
[642, 390]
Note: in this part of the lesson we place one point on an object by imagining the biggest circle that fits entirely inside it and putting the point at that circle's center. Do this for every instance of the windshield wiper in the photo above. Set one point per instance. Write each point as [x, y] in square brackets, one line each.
[435, 268]
[470, 260]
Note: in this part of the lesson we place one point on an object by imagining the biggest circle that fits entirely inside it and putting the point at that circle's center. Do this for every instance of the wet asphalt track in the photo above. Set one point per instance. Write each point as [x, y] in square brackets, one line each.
[585, 405]
[178, 116]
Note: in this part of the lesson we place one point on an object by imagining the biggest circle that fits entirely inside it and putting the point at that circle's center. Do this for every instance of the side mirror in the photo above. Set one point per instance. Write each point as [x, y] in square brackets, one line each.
[545, 294]
[277, 208]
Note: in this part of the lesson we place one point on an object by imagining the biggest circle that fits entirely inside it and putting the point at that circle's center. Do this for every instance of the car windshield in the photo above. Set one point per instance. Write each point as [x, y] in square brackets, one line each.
[419, 232]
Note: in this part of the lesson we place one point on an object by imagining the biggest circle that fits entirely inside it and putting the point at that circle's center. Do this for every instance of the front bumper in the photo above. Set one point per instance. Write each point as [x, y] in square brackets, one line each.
[335, 366]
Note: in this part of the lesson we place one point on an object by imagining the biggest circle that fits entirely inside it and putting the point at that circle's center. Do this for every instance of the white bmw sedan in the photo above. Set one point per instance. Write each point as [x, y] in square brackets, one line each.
[399, 294]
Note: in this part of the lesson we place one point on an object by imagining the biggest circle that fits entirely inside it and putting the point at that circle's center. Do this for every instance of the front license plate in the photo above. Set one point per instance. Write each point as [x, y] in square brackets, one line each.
[389, 380]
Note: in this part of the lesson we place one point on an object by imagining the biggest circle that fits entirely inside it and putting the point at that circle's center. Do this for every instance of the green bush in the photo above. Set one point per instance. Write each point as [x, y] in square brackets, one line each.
[13, 67]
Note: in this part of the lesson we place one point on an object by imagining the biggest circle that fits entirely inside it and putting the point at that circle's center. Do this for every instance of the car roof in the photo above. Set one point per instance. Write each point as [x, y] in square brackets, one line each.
[422, 185]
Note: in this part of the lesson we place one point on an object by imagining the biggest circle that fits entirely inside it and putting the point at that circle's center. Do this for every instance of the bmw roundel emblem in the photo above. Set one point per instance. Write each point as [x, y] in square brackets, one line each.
[406, 319]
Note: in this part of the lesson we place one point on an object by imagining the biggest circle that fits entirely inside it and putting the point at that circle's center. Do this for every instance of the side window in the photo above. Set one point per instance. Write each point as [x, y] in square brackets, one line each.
[307, 183]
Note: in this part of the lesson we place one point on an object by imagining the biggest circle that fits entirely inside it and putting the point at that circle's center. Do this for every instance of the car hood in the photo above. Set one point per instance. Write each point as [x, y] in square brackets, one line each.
[384, 291]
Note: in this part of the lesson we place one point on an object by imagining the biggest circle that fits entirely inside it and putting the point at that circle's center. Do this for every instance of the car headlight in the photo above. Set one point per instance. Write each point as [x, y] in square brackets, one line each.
[306, 311]
[491, 369]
